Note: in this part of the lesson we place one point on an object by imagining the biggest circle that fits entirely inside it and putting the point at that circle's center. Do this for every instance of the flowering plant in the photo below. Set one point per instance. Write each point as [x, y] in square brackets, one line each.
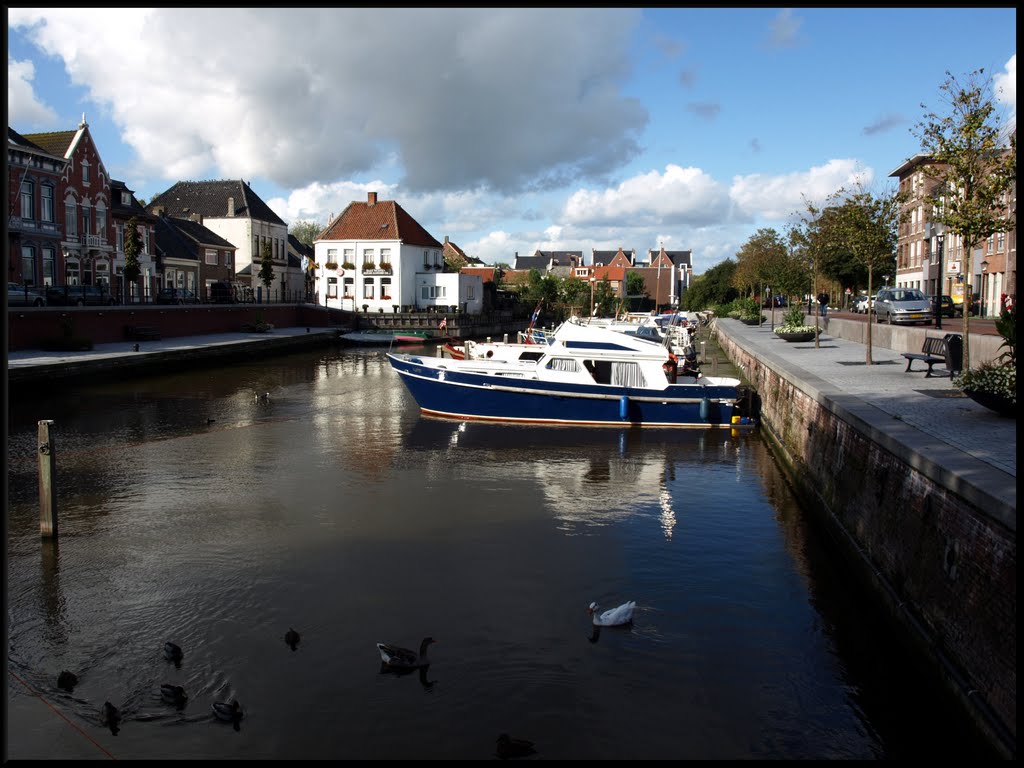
[793, 322]
[999, 377]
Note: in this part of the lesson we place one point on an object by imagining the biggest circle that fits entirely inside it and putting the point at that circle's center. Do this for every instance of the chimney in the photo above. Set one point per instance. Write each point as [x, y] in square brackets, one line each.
[159, 210]
[371, 199]
[231, 207]
[446, 241]
[196, 217]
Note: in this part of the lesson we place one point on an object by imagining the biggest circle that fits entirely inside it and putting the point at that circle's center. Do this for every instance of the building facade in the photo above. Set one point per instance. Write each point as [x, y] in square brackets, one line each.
[35, 220]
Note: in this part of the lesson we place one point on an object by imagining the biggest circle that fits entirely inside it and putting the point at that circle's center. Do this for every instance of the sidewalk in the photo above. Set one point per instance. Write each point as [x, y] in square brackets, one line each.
[975, 444]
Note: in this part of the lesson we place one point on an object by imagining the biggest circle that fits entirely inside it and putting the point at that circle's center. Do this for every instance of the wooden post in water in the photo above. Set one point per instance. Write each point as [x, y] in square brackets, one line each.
[47, 481]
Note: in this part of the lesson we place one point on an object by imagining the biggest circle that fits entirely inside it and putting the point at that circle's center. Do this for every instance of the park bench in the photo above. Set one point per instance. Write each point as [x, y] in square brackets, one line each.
[141, 333]
[946, 350]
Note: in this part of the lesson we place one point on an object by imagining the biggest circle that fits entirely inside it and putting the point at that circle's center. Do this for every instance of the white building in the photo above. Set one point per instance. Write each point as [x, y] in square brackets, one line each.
[375, 257]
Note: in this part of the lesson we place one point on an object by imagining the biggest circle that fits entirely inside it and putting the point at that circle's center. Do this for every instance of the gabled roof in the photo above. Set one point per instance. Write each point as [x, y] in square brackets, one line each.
[299, 247]
[55, 143]
[210, 199]
[678, 258]
[530, 262]
[117, 207]
[378, 220]
[182, 238]
[604, 258]
[486, 273]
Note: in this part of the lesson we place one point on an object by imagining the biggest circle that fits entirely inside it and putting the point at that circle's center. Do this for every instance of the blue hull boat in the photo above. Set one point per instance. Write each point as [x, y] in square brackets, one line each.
[585, 376]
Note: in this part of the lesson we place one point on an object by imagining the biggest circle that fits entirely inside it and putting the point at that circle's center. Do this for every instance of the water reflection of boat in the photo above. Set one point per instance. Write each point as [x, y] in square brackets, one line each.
[383, 337]
[586, 375]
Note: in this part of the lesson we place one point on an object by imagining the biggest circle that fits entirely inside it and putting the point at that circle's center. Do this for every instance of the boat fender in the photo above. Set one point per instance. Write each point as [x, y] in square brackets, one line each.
[705, 408]
[624, 407]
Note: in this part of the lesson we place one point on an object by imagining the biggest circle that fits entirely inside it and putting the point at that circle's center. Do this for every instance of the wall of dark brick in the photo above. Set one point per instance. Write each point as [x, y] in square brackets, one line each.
[944, 564]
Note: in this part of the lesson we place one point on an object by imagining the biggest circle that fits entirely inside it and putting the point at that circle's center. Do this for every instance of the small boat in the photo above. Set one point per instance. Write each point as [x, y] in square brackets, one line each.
[385, 337]
[585, 375]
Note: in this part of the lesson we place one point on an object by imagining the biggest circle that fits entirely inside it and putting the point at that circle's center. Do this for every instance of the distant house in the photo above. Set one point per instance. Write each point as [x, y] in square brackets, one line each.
[671, 287]
[375, 255]
[302, 256]
[619, 258]
[455, 258]
[547, 262]
[123, 208]
[36, 219]
[86, 248]
[235, 212]
[191, 255]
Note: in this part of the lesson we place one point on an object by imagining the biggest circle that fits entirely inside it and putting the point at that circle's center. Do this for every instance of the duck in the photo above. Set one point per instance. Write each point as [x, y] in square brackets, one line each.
[172, 652]
[111, 717]
[67, 680]
[292, 638]
[613, 617]
[395, 657]
[229, 712]
[173, 694]
[509, 747]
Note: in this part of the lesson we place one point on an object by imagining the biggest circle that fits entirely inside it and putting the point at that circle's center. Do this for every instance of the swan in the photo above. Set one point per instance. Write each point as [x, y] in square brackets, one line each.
[173, 652]
[67, 680]
[510, 747]
[174, 694]
[613, 617]
[292, 638]
[402, 658]
[228, 712]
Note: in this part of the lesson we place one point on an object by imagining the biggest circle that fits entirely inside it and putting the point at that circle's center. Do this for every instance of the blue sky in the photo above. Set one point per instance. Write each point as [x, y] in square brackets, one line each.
[511, 129]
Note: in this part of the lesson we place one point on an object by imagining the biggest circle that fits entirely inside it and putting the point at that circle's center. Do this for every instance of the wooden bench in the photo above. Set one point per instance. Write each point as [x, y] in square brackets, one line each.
[141, 333]
[934, 350]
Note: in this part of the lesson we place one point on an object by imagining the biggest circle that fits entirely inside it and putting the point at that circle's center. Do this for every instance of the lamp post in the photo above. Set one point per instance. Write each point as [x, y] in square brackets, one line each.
[938, 282]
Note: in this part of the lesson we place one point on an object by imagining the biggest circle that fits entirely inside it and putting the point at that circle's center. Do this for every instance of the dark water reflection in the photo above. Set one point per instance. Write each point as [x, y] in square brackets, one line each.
[194, 511]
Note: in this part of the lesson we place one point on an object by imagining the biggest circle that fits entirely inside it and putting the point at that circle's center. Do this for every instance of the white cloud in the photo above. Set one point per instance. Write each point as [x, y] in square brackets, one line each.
[1005, 87]
[23, 107]
[777, 198]
[503, 99]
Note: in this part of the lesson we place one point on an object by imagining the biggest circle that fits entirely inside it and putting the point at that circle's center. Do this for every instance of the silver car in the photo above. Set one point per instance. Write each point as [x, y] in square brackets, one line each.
[24, 296]
[903, 306]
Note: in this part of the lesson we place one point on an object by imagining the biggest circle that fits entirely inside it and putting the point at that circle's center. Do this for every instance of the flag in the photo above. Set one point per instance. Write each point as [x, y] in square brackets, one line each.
[536, 315]
[444, 324]
[305, 263]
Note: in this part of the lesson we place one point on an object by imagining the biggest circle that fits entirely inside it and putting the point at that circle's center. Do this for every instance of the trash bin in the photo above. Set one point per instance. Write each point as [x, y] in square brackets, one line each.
[954, 353]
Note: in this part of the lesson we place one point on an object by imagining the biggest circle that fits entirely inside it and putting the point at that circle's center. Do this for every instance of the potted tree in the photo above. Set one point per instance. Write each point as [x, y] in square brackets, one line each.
[793, 328]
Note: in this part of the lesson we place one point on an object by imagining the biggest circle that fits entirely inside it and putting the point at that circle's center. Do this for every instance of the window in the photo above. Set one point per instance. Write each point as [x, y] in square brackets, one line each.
[211, 256]
[368, 261]
[432, 292]
[49, 265]
[47, 194]
[385, 257]
[332, 287]
[101, 221]
[86, 220]
[119, 234]
[255, 247]
[470, 292]
[102, 273]
[385, 285]
[1001, 241]
[991, 243]
[332, 255]
[28, 192]
[227, 258]
[126, 197]
[350, 287]
[85, 173]
[69, 220]
[145, 239]
[28, 265]
[426, 259]
[368, 287]
[350, 256]
[71, 276]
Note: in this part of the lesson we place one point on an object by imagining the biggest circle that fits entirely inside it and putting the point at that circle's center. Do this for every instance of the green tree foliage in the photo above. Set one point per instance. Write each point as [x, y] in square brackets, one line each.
[305, 231]
[266, 273]
[712, 288]
[132, 249]
[974, 165]
[574, 295]
[760, 262]
[635, 287]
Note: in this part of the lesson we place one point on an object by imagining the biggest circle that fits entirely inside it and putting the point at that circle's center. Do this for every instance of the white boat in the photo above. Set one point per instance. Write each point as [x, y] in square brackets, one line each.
[586, 375]
[385, 337]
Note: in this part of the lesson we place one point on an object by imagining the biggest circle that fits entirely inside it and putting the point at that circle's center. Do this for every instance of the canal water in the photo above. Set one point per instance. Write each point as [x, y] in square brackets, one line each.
[219, 508]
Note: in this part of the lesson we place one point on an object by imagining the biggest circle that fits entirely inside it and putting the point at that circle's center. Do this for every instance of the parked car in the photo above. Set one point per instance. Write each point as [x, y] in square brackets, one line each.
[863, 304]
[24, 296]
[902, 306]
[80, 295]
[176, 296]
[948, 309]
[222, 293]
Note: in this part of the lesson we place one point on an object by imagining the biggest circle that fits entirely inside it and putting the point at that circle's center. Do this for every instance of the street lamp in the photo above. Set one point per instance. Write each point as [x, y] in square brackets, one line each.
[939, 237]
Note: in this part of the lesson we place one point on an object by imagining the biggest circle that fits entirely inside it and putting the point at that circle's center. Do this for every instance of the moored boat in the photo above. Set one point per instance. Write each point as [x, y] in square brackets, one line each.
[385, 337]
[586, 375]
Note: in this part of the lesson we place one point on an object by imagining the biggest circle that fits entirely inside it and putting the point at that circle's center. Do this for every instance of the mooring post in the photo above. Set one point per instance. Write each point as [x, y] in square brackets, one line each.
[47, 481]
[703, 352]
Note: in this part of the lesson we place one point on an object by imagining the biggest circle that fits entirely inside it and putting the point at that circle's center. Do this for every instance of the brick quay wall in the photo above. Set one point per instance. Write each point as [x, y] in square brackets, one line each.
[939, 552]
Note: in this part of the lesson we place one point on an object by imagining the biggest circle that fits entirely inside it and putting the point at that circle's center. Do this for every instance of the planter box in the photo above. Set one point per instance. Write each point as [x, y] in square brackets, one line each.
[1001, 405]
[800, 336]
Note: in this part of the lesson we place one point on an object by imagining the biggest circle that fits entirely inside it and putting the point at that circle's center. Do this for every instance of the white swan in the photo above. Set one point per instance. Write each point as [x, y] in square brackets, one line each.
[613, 617]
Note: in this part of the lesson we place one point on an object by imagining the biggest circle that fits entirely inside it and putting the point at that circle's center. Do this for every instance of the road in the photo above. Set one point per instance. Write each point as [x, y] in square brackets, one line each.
[980, 325]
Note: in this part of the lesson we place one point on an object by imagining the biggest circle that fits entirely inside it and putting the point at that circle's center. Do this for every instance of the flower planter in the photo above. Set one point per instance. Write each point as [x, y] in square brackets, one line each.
[796, 336]
[1002, 405]
[750, 320]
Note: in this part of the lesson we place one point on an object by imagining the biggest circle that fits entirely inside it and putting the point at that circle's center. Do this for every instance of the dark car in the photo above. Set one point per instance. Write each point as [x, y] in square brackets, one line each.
[80, 295]
[24, 296]
[222, 293]
[176, 296]
[948, 308]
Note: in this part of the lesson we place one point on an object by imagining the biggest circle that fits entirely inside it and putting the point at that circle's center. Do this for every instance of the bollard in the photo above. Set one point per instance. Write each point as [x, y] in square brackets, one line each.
[506, 338]
[47, 479]
[703, 352]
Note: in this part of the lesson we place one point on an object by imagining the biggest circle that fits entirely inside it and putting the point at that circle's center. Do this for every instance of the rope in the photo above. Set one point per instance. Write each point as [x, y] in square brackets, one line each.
[62, 715]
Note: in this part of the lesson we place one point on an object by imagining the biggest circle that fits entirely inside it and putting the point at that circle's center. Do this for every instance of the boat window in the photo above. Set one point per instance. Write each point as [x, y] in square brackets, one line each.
[627, 375]
[562, 364]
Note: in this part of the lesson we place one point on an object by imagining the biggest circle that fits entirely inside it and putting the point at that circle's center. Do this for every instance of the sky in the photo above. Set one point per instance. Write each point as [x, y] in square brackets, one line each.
[512, 130]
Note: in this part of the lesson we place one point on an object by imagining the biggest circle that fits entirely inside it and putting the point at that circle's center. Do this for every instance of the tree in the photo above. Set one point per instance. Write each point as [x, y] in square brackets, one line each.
[635, 287]
[714, 287]
[266, 273]
[760, 262]
[132, 249]
[861, 224]
[305, 231]
[974, 165]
